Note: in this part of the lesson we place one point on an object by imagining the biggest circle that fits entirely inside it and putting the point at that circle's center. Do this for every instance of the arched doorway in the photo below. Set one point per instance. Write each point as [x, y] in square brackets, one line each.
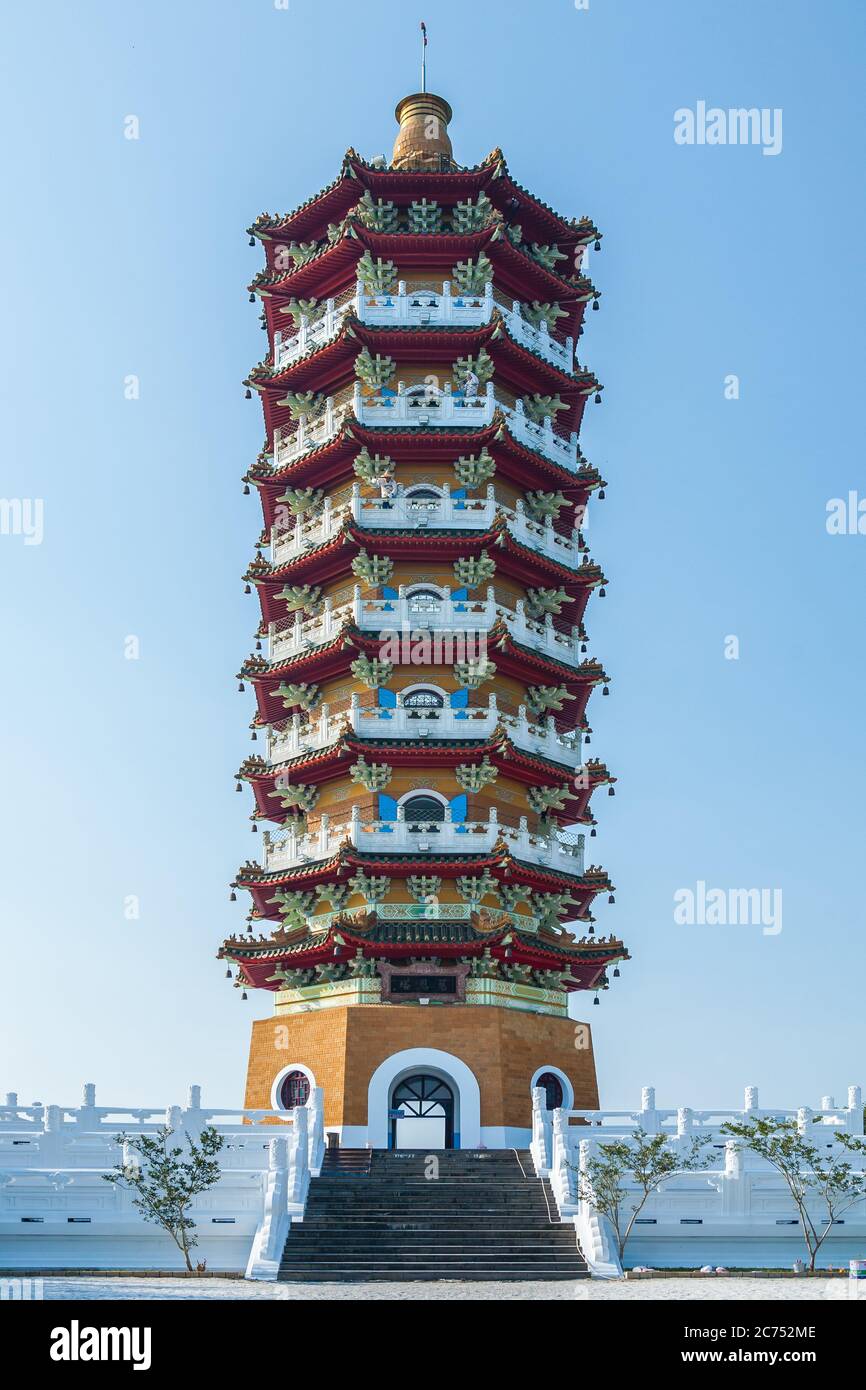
[422, 1113]
[552, 1087]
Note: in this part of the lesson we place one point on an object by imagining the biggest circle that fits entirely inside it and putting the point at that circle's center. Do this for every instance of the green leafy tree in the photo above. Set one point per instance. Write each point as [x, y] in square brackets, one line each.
[810, 1173]
[166, 1179]
[646, 1158]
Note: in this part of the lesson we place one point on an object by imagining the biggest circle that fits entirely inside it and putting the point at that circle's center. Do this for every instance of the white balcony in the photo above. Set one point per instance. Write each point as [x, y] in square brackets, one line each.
[422, 407]
[420, 307]
[410, 614]
[562, 850]
[445, 513]
[429, 723]
[311, 433]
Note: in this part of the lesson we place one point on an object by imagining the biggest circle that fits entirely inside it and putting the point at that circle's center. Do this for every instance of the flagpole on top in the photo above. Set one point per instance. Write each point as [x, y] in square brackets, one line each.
[423, 56]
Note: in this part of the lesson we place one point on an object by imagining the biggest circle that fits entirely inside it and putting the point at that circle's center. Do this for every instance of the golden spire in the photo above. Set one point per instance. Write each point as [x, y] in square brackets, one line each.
[423, 142]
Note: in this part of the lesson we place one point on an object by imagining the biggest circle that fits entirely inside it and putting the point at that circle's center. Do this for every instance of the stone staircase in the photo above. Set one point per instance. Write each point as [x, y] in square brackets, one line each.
[377, 1215]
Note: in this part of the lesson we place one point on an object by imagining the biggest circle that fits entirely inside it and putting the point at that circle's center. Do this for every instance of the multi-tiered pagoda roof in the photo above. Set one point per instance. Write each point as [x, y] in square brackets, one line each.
[421, 672]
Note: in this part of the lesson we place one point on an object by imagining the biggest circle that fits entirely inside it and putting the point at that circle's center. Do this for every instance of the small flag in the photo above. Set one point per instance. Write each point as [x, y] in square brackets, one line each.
[424, 33]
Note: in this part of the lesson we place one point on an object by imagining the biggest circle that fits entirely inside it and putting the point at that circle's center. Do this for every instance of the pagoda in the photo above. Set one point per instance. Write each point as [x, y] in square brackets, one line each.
[421, 908]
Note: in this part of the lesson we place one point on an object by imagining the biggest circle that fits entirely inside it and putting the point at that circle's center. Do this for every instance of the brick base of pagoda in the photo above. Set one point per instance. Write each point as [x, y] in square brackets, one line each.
[489, 1056]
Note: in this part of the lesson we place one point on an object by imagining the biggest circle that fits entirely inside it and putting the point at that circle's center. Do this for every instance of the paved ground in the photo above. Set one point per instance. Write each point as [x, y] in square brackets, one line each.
[583, 1290]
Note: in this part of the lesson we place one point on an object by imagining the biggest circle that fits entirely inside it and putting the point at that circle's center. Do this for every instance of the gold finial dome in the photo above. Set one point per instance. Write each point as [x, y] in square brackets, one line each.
[423, 142]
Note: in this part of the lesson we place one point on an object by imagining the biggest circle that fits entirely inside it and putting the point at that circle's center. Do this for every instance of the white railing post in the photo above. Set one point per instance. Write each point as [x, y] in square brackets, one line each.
[541, 1145]
[562, 1176]
[316, 1136]
[299, 1166]
[855, 1110]
[649, 1118]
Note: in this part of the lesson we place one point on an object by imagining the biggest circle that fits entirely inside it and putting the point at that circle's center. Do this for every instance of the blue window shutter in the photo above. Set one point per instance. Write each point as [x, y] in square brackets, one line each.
[387, 698]
[459, 594]
[387, 807]
[459, 699]
[389, 593]
[458, 808]
[458, 492]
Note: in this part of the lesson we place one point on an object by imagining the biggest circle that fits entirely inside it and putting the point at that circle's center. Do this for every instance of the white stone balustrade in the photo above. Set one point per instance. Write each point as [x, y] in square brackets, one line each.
[287, 543]
[735, 1212]
[422, 408]
[445, 512]
[419, 513]
[310, 433]
[557, 851]
[539, 340]
[56, 1210]
[543, 438]
[312, 333]
[420, 308]
[409, 615]
[323, 729]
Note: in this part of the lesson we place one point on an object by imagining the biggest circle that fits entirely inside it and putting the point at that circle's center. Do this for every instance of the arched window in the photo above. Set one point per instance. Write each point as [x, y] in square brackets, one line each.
[424, 604]
[426, 494]
[421, 810]
[552, 1088]
[295, 1090]
[424, 699]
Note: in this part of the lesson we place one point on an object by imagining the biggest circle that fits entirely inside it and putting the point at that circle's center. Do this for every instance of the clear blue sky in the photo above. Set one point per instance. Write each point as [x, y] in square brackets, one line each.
[124, 257]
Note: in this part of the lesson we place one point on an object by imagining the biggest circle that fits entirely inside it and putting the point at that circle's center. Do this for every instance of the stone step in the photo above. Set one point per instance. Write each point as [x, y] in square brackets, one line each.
[381, 1216]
